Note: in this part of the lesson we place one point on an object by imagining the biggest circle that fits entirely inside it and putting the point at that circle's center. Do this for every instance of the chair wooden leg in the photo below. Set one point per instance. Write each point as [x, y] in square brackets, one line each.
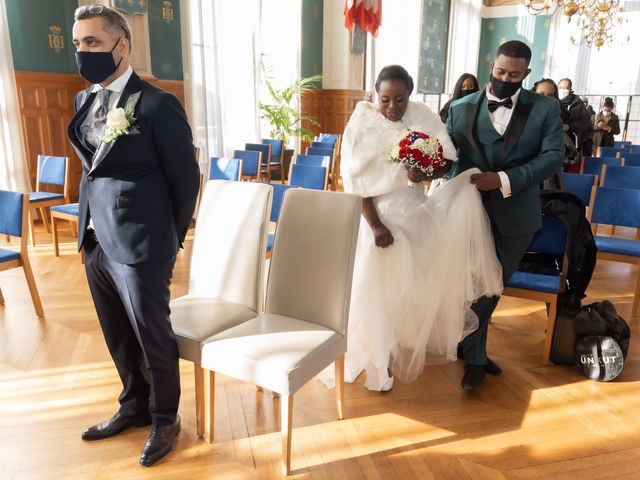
[1, 297]
[339, 376]
[45, 221]
[551, 325]
[209, 401]
[636, 294]
[286, 418]
[74, 228]
[32, 231]
[7, 238]
[54, 229]
[198, 373]
[33, 289]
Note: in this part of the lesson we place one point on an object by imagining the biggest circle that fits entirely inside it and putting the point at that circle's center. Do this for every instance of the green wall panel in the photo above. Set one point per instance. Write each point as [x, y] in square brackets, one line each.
[532, 30]
[166, 41]
[434, 32]
[311, 54]
[41, 35]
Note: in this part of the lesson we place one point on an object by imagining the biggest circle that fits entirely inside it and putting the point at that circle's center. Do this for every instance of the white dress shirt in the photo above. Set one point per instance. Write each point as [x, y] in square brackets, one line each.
[500, 120]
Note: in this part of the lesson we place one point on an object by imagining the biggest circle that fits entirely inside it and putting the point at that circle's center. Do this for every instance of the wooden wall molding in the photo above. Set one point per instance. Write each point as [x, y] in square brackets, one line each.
[46, 108]
[332, 108]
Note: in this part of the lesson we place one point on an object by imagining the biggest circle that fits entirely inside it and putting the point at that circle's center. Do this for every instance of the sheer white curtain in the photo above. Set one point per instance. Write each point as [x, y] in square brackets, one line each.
[13, 165]
[228, 41]
[613, 69]
[464, 40]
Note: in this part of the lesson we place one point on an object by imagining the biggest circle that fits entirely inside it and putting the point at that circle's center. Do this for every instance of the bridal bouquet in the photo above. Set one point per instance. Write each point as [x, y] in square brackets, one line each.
[418, 150]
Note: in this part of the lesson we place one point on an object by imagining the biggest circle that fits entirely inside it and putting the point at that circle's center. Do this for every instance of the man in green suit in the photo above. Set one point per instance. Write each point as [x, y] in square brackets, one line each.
[515, 138]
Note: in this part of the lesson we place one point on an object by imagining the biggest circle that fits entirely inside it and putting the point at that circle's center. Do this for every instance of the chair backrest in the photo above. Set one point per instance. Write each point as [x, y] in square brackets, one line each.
[264, 149]
[278, 194]
[277, 151]
[327, 138]
[610, 151]
[250, 160]
[620, 177]
[307, 176]
[631, 159]
[313, 160]
[593, 165]
[551, 238]
[225, 168]
[621, 144]
[52, 170]
[325, 145]
[633, 149]
[325, 152]
[312, 260]
[11, 213]
[616, 206]
[580, 185]
[229, 242]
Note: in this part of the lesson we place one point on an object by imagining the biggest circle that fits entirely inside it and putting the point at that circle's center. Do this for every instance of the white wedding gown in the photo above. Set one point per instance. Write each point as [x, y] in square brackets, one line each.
[410, 301]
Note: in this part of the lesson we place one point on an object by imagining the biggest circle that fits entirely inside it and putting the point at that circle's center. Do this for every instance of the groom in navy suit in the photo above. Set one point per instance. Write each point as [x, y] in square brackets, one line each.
[137, 196]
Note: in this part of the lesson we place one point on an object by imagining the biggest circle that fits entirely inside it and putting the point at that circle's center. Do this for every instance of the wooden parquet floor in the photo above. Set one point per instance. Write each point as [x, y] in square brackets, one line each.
[533, 422]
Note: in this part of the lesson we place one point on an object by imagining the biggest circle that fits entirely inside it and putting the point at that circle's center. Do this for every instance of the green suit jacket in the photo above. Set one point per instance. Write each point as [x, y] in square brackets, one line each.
[532, 151]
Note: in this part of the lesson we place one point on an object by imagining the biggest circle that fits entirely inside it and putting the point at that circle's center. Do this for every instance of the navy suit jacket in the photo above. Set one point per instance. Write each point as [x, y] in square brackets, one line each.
[141, 189]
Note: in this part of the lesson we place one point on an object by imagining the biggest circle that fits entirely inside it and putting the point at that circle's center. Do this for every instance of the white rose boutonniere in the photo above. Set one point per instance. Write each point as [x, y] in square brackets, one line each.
[119, 120]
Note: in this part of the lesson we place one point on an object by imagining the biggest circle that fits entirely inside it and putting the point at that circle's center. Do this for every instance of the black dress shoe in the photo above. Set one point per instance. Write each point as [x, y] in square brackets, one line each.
[473, 376]
[114, 426]
[159, 443]
[491, 367]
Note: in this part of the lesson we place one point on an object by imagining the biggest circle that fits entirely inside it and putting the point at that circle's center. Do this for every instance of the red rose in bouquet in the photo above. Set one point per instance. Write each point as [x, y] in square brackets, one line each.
[418, 150]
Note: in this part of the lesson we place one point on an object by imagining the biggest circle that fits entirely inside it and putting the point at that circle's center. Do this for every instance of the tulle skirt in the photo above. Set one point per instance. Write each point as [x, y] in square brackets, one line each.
[410, 302]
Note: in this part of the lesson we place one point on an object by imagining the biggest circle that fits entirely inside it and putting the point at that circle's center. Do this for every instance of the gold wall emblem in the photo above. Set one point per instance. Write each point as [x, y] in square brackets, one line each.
[167, 11]
[56, 39]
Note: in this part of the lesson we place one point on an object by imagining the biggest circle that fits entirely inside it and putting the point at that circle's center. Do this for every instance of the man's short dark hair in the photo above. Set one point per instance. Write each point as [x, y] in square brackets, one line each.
[113, 19]
[515, 49]
[566, 80]
[395, 72]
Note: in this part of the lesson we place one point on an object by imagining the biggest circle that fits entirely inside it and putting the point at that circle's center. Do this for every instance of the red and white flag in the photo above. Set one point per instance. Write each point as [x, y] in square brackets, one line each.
[367, 14]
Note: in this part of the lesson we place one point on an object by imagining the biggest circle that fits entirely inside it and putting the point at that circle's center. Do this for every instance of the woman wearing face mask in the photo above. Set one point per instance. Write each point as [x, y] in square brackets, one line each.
[420, 261]
[465, 85]
[607, 125]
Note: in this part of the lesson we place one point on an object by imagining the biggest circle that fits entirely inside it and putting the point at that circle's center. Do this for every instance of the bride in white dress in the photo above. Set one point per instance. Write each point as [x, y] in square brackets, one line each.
[420, 261]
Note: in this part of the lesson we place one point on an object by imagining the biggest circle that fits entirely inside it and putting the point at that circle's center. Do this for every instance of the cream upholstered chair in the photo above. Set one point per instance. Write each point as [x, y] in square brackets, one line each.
[301, 332]
[226, 277]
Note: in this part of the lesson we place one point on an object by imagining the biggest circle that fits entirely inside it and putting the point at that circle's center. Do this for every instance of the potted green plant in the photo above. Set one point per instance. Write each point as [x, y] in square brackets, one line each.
[283, 114]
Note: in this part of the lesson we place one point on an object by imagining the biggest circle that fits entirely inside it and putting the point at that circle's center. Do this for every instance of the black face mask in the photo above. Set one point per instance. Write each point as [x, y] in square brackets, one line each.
[504, 89]
[94, 67]
[469, 91]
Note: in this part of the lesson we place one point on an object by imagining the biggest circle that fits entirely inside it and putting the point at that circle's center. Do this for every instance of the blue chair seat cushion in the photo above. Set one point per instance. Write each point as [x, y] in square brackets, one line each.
[70, 208]
[270, 238]
[44, 196]
[8, 255]
[535, 281]
[620, 246]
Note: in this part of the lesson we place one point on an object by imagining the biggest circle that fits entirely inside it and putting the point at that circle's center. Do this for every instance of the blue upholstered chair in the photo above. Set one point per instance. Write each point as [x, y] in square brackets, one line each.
[550, 239]
[265, 155]
[633, 149]
[225, 169]
[278, 194]
[50, 171]
[307, 176]
[14, 210]
[327, 145]
[63, 212]
[277, 156]
[631, 159]
[593, 165]
[328, 137]
[620, 177]
[618, 207]
[332, 175]
[325, 152]
[581, 185]
[250, 163]
[621, 144]
[313, 160]
[610, 151]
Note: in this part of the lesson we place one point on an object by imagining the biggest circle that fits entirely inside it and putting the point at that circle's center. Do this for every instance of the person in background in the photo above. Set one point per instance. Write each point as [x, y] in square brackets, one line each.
[580, 122]
[589, 108]
[465, 85]
[607, 124]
